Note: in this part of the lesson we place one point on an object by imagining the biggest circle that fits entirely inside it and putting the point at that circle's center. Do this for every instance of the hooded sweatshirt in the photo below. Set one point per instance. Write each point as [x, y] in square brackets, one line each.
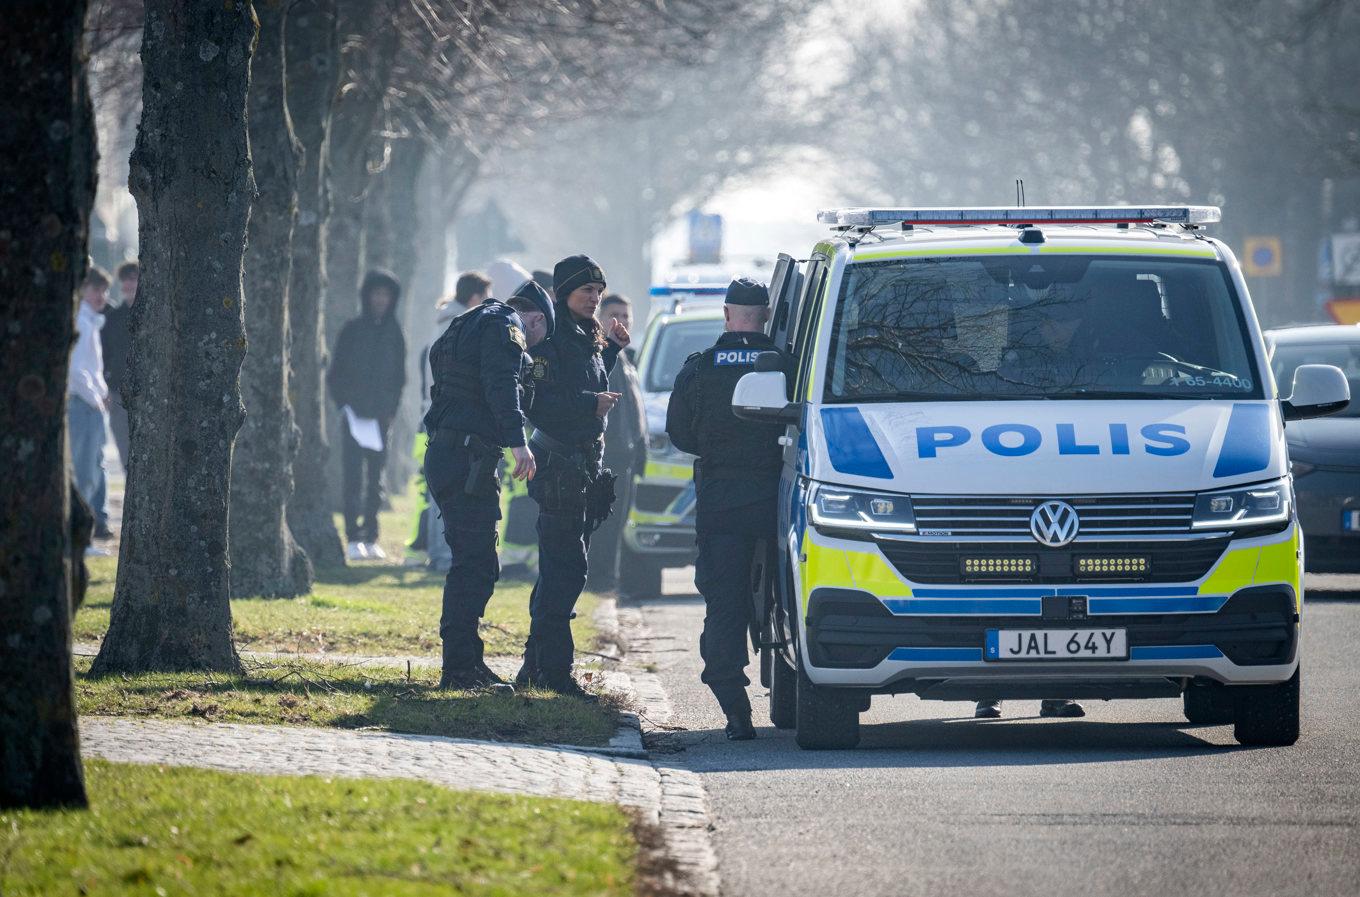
[368, 367]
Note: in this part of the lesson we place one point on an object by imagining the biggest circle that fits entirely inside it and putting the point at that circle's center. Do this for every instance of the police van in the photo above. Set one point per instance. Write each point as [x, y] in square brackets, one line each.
[1030, 453]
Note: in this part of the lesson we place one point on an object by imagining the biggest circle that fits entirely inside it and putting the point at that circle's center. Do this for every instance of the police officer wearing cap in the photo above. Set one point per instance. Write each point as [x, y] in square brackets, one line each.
[737, 480]
[481, 377]
[572, 398]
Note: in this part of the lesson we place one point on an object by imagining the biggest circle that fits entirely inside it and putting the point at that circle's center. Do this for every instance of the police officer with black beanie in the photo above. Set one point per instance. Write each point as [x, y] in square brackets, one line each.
[481, 380]
[572, 398]
[737, 481]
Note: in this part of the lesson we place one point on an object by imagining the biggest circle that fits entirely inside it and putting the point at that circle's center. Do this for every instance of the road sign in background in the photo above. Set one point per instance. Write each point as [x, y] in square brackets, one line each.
[1346, 259]
[705, 238]
[1261, 257]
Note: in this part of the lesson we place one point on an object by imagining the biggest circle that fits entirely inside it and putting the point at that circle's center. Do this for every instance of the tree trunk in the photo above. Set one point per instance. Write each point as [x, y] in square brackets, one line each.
[190, 174]
[406, 211]
[265, 560]
[313, 53]
[47, 180]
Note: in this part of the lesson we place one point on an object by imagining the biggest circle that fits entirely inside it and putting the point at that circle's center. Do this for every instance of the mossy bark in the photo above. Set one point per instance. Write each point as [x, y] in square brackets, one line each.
[265, 559]
[190, 175]
[312, 57]
[47, 179]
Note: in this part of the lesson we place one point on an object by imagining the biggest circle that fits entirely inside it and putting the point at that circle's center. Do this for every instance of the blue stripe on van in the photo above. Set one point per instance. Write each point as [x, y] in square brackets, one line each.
[851, 446]
[1246, 445]
[936, 654]
[1174, 652]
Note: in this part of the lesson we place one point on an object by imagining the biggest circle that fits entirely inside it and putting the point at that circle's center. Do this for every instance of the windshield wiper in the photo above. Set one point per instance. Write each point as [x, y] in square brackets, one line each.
[934, 397]
[1113, 394]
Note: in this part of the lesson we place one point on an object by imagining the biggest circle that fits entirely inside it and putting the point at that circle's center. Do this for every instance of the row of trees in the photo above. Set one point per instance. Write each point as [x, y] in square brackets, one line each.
[282, 146]
[1246, 103]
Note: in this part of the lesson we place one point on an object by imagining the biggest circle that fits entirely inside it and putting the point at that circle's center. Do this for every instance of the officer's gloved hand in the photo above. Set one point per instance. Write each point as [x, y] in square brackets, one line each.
[604, 401]
[525, 465]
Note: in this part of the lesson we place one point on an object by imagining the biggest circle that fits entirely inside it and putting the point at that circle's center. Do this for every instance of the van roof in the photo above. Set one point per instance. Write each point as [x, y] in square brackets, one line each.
[1005, 240]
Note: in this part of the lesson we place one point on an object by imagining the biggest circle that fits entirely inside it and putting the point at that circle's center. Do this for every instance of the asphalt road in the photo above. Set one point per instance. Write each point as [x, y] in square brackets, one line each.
[1130, 800]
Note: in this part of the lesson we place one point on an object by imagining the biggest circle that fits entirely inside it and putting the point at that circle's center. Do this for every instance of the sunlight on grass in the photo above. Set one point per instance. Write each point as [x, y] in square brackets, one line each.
[351, 697]
[172, 831]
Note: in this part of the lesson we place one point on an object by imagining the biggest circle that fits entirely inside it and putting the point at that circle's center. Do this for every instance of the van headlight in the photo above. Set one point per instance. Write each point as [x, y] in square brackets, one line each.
[838, 508]
[1259, 505]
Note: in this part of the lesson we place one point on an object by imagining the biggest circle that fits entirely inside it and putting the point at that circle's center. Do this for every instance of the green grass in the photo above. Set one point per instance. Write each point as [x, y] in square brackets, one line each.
[349, 697]
[171, 831]
[363, 609]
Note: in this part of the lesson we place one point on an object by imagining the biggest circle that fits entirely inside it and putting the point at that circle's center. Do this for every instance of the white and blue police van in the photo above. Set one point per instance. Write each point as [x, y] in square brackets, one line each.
[1030, 453]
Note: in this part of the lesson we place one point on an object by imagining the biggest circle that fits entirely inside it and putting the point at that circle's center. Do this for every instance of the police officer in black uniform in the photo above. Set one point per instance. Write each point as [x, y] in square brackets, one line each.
[481, 376]
[572, 398]
[737, 480]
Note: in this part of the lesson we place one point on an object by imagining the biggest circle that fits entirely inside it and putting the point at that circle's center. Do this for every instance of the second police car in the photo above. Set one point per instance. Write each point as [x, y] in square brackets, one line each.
[1031, 453]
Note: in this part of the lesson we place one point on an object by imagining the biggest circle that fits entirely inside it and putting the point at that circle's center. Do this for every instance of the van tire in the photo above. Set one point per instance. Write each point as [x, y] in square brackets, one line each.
[1267, 715]
[827, 718]
[783, 692]
[639, 575]
[1208, 704]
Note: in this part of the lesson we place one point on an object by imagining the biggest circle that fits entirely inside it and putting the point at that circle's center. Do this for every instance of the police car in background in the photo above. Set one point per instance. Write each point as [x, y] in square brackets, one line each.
[659, 531]
[1031, 453]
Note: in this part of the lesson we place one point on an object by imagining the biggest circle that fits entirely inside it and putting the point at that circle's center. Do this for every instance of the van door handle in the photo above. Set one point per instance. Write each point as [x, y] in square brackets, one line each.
[786, 440]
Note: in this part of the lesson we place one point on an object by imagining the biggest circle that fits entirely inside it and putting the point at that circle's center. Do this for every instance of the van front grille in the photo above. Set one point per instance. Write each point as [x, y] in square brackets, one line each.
[1130, 516]
[942, 561]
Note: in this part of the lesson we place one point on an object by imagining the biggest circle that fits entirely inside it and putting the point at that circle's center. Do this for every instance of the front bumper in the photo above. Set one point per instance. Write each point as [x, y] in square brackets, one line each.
[1236, 624]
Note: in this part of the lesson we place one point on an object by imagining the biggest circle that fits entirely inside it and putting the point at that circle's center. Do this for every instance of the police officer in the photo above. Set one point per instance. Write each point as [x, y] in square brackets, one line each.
[572, 398]
[737, 478]
[480, 369]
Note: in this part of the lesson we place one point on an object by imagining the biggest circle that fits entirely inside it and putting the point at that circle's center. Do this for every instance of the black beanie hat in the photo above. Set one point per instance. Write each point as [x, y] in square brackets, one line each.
[575, 271]
[539, 297]
[745, 291]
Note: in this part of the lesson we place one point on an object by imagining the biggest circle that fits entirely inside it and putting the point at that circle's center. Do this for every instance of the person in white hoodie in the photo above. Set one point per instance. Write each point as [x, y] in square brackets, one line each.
[87, 411]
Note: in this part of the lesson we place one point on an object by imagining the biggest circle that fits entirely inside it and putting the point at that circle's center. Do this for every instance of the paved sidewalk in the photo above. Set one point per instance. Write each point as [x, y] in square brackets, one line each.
[451, 762]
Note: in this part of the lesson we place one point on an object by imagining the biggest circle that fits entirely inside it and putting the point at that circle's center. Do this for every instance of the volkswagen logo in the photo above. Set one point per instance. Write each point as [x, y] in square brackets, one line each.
[1054, 523]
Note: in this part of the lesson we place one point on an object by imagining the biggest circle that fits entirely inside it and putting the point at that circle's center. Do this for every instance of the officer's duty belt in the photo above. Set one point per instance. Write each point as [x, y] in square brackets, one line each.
[558, 447]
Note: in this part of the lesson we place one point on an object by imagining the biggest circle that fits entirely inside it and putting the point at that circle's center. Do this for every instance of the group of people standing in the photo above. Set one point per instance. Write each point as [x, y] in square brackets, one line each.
[547, 361]
[96, 382]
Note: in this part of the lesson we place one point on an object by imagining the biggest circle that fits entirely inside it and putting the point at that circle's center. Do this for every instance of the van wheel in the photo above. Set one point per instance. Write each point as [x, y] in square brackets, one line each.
[639, 575]
[827, 718]
[1208, 704]
[1267, 714]
[783, 692]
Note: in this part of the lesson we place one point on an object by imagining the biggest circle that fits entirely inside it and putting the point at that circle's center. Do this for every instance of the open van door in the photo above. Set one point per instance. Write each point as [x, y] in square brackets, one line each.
[786, 285]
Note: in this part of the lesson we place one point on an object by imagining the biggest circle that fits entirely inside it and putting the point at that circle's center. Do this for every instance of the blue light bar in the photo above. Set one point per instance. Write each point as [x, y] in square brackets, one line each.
[862, 217]
[684, 289]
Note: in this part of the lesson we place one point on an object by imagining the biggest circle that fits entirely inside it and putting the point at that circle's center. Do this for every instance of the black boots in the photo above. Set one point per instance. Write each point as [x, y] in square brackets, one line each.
[478, 675]
[739, 726]
[562, 683]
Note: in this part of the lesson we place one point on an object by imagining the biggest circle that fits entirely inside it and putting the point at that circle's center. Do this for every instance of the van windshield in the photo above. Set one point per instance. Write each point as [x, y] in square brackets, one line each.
[1053, 327]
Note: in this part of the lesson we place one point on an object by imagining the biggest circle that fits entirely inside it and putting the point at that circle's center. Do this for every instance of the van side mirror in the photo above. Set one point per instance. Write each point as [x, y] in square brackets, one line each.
[763, 396]
[1319, 389]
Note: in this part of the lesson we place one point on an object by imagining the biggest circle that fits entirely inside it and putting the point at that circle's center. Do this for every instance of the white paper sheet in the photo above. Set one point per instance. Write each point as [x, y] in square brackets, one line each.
[365, 430]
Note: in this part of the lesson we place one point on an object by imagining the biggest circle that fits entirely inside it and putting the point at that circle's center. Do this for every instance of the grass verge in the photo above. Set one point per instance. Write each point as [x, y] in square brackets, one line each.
[362, 609]
[349, 697]
[173, 831]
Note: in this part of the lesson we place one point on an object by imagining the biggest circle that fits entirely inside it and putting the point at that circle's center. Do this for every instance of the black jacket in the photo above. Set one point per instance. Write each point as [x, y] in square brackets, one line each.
[569, 370]
[116, 340]
[480, 368]
[737, 475]
[368, 366]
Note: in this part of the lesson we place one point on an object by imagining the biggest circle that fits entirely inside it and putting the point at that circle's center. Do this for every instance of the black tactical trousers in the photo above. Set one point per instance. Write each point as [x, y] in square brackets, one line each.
[734, 515]
[722, 573]
[362, 473]
[470, 530]
[559, 488]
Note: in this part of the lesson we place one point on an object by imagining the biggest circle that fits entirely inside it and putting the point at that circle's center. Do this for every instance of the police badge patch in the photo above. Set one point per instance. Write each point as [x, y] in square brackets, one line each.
[518, 336]
[540, 368]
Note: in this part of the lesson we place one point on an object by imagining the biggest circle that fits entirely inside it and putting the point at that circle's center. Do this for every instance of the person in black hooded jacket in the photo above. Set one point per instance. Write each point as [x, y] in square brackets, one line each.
[367, 373]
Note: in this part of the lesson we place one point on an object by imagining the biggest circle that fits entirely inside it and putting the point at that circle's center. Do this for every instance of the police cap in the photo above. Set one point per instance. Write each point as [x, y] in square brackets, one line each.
[539, 297]
[575, 271]
[745, 291]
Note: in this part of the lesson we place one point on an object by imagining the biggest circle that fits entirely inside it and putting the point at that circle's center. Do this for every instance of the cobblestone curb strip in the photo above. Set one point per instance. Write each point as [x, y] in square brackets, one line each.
[685, 820]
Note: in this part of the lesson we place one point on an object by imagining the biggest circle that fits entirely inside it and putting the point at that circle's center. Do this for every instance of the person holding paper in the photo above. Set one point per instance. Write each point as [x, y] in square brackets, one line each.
[366, 376]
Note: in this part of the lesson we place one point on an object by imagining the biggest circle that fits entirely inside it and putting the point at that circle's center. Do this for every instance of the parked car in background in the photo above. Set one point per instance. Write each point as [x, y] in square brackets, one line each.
[1324, 451]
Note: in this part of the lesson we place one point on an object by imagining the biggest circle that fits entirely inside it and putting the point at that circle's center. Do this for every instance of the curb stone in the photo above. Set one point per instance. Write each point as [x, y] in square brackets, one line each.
[685, 820]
